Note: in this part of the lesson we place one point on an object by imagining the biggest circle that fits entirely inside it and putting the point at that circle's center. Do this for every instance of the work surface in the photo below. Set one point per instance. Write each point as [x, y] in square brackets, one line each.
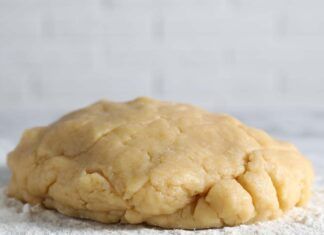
[304, 129]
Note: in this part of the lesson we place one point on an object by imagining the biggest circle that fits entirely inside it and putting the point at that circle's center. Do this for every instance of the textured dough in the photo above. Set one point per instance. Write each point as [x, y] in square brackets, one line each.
[165, 164]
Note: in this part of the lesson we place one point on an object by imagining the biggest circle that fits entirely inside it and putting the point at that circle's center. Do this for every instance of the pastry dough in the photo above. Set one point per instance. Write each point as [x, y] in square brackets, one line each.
[165, 164]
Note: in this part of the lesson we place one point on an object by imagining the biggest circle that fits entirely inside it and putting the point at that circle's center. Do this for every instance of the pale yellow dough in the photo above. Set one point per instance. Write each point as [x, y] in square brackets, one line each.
[165, 164]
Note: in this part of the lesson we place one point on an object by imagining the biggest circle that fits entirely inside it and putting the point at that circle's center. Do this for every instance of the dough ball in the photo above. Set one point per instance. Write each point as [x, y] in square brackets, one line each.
[165, 164]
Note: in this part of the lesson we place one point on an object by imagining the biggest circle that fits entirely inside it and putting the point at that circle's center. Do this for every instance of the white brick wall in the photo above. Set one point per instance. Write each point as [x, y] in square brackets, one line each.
[63, 54]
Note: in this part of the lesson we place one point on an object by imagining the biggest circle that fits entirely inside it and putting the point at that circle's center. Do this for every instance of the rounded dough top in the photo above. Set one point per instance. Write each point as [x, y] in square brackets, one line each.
[165, 164]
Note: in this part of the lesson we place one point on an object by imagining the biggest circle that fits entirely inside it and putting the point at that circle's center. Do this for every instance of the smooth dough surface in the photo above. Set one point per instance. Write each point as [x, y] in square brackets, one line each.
[165, 164]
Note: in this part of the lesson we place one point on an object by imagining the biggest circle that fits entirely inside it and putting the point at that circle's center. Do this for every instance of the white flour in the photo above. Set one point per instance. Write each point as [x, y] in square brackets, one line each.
[19, 218]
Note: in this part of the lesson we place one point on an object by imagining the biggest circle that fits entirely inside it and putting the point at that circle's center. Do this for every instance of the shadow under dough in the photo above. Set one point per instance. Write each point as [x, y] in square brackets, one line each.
[4, 176]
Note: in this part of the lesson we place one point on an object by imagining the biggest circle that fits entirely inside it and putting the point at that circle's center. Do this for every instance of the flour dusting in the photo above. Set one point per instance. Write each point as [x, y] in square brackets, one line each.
[16, 217]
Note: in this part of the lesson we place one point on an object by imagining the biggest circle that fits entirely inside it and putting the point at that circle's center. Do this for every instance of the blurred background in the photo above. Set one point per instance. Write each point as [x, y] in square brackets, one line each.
[262, 61]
